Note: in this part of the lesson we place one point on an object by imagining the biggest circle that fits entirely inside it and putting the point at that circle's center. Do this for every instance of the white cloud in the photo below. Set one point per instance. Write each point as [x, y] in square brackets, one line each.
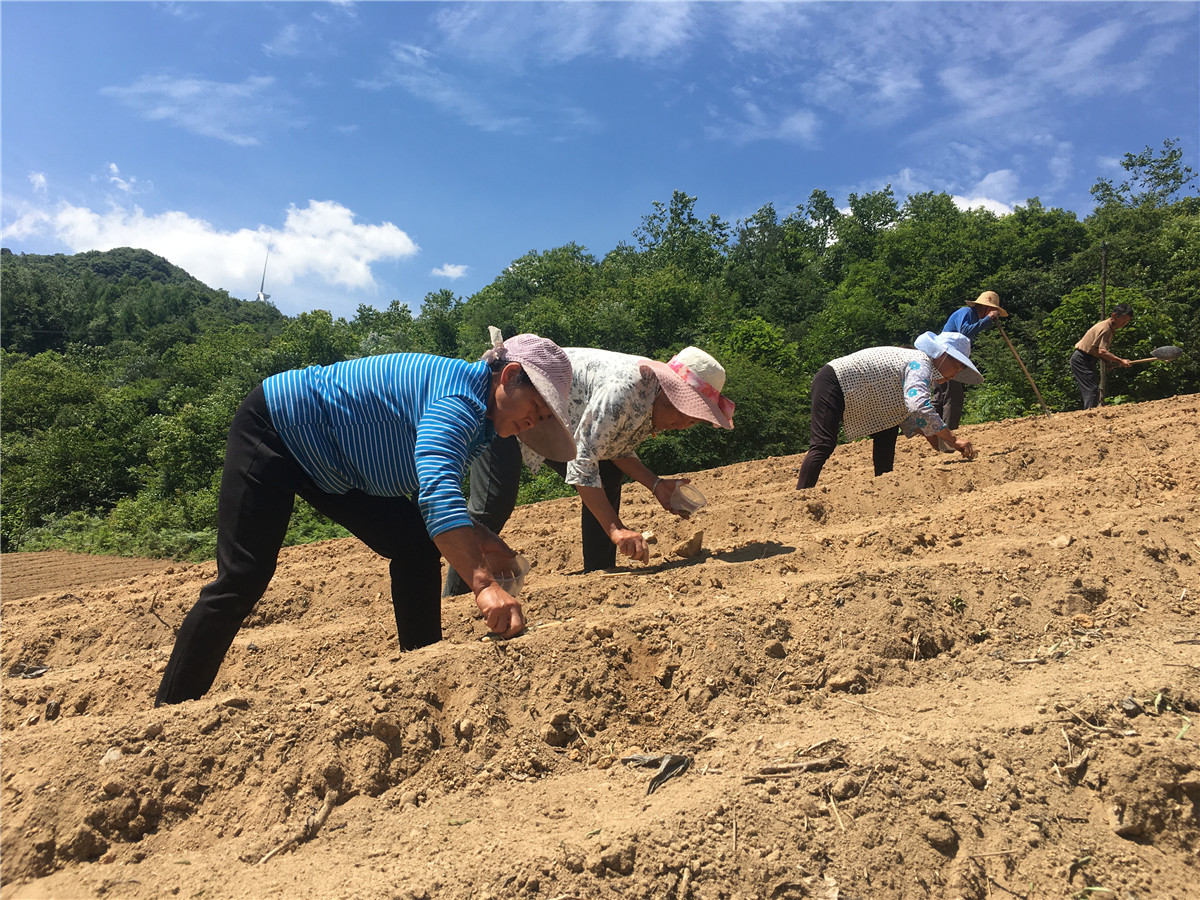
[122, 184]
[801, 126]
[764, 27]
[998, 207]
[449, 270]
[411, 68]
[321, 240]
[38, 180]
[1001, 183]
[29, 222]
[286, 43]
[652, 30]
[996, 191]
[238, 113]
[518, 35]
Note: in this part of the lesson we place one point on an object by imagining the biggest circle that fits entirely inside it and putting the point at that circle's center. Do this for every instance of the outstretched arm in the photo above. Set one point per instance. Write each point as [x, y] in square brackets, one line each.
[661, 488]
[463, 550]
[630, 543]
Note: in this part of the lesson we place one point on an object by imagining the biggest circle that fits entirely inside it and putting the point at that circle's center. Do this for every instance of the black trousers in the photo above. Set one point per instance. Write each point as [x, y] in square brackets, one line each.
[1086, 369]
[259, 484]
[828, 407]
[495, 477]
[947, 402]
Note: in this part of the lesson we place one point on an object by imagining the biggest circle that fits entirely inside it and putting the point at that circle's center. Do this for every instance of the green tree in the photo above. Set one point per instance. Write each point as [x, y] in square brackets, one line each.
[1154, 179]
[311, 339]
[673, 235]
[1078, 312]
[438, 324]
[394, 330]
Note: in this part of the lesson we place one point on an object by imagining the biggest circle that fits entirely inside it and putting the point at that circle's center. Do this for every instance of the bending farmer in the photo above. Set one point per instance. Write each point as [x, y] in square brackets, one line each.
[357, 440]
[874, 391]
[616, 402]
[970, 321]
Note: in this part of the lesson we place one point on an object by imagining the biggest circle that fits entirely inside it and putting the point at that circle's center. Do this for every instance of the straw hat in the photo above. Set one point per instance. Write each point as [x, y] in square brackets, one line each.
[550, 371]
[692, 381]
[991, 300]
[955, 344]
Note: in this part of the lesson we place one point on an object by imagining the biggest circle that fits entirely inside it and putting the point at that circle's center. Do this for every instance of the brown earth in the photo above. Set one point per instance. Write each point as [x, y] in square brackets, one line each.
[960, 680]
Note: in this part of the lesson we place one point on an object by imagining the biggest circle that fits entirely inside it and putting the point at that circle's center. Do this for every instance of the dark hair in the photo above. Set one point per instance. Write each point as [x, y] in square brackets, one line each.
[1122, 309]
[520, 380]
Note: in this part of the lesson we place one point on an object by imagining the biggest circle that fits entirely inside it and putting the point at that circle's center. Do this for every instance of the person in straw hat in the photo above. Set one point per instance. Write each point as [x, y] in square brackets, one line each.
[617, 401]
[970, 321]
[877, 390]
[358, 440]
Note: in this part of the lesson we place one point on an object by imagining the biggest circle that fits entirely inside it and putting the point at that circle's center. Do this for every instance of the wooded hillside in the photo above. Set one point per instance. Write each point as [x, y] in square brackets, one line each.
[121, 372]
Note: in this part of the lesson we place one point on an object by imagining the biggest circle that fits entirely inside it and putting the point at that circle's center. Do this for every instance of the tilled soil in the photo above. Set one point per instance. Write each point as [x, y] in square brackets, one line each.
[959, 680]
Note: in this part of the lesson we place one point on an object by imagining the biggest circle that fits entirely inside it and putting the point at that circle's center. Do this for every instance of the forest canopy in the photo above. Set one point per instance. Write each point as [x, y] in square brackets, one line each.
[120, 373]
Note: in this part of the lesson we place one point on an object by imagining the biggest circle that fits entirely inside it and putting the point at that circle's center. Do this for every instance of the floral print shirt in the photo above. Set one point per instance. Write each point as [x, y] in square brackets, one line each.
[919, 376]
[611, 406]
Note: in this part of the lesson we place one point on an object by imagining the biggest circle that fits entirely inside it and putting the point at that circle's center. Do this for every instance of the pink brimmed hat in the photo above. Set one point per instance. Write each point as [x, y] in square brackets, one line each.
[693, 381]
[550, 371]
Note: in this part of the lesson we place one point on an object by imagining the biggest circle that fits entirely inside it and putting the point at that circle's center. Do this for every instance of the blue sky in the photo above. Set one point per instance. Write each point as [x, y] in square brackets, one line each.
[387, 150]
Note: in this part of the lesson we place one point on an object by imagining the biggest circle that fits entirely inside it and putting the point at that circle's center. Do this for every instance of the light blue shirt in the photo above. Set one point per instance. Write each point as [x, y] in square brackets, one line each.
[393, 425]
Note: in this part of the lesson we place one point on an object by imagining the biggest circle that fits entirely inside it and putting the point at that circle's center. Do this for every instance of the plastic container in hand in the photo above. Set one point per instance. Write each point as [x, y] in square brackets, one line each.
[686, 500]
[509, 571]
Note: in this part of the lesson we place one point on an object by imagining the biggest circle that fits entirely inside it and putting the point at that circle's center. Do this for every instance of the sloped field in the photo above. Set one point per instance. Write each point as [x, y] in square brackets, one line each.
[958, 680]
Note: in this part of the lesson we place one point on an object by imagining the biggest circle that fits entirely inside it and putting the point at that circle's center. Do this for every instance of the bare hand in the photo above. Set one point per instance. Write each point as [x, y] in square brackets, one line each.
[501, 611]
[1124, 363]
[632, 544]
[964, 447]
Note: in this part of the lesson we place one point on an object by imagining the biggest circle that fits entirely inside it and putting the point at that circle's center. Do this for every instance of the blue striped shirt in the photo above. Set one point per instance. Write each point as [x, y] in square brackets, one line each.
[390, 425]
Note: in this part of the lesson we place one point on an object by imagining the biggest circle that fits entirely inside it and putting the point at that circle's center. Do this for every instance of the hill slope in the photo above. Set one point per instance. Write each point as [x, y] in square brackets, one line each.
[958, 680]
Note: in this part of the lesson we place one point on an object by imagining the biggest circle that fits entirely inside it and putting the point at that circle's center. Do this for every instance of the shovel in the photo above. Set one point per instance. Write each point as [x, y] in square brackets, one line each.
[1165, 354]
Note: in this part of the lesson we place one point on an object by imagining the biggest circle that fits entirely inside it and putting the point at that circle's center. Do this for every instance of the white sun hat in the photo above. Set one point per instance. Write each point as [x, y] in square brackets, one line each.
[955, 344]
[693, 382]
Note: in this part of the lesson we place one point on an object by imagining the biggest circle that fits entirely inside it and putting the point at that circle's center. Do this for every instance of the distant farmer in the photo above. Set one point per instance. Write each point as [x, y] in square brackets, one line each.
[874, 391]
[1094, 346]
[970, 321]
[616, 402]
[379, 445]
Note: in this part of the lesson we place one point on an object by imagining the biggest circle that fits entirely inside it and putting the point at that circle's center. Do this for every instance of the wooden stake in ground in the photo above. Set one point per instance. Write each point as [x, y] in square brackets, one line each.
[1036, 392]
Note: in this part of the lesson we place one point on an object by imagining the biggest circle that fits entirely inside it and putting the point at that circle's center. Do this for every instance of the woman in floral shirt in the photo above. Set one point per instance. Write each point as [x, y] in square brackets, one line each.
[874, 391]
[616, 402]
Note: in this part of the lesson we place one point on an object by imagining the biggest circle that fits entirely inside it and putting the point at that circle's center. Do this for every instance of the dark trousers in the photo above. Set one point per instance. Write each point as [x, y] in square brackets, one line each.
[947, 402]
[1086, 369]
[495, 476]
[259, 484]
[828, 407]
